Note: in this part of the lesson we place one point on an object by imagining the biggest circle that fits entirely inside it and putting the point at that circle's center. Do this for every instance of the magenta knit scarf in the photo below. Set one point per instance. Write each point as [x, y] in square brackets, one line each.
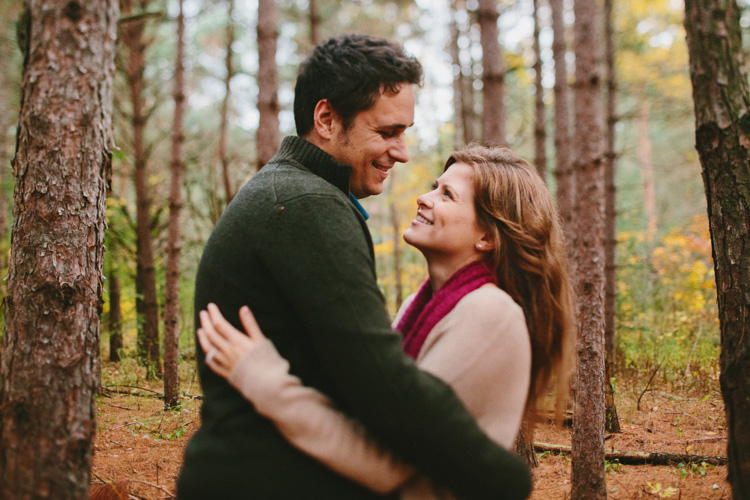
[426, 310]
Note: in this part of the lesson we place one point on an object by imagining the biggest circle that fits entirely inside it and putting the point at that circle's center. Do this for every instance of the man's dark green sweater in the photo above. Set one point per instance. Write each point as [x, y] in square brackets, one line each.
[293, 247]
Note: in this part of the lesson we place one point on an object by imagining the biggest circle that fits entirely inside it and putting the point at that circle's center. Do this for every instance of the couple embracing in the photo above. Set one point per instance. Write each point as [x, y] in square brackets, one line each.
[322, 399]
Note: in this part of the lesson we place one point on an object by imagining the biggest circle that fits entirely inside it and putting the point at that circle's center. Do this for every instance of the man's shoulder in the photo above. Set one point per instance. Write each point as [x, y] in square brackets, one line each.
[288, 181]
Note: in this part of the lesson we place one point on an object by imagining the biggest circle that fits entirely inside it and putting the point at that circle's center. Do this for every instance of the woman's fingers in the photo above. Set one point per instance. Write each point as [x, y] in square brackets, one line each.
[251, 326]
[204, 341]
[214, 357]
[217, 339]
[223, 327]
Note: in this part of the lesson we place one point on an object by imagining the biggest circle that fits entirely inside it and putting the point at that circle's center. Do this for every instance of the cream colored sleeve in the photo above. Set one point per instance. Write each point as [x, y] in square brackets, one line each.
[482, 350]
[308, 420]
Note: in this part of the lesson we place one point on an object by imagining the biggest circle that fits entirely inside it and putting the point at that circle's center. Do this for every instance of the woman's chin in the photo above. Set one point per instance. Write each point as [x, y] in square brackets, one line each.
[409, 237]
[411, 241]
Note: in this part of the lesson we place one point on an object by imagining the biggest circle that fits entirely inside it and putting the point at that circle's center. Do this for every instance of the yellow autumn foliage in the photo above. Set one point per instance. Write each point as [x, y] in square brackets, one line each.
[666, 297]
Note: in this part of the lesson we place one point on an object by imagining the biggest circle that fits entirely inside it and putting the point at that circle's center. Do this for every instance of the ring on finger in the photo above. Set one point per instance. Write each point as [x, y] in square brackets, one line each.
[211, 355]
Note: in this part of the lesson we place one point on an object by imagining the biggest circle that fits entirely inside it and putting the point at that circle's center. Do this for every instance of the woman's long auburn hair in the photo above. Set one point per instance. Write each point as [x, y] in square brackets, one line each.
[529, 257]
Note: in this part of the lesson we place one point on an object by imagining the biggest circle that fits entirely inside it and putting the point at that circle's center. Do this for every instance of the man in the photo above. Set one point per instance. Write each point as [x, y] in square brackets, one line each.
[294, 246]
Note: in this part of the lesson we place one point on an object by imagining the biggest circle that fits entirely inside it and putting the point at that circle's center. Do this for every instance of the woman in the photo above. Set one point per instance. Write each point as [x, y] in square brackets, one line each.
[493, 320]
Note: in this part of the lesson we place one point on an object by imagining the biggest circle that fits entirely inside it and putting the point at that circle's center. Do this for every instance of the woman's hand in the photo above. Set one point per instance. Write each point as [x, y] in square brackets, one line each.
[223, 344]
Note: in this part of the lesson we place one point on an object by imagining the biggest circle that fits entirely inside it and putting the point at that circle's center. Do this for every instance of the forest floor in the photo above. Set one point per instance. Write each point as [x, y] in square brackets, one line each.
[140, 444]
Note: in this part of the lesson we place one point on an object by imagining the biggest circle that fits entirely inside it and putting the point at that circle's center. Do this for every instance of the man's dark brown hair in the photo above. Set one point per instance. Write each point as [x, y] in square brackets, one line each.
[351, 71]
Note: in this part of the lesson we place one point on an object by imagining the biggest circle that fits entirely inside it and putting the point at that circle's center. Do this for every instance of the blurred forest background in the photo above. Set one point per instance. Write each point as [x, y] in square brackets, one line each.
[666, 300]
[203, 92]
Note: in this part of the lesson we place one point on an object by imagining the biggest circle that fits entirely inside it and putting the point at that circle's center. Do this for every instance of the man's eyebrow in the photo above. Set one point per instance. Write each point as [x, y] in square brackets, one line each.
[398, 126]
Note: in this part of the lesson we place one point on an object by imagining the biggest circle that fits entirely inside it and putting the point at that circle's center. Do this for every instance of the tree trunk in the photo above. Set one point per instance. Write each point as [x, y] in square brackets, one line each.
[397, 248]
[140, 311]
[563, 164]
[224, 126]
[643, 146]
[493, 76]
[640, 457]
[268, 137]
[468, 116]
[468, 96]
[611, 419]
[62, 166]
[314, 22]
[722, 119]
[458, 80]
[523, 445]
[612, 422]
[610, 212]
[540, 129]
[172, 289]
[4, 122]
[9, 81]
[133, 39]
[115, 317]
[587, 477]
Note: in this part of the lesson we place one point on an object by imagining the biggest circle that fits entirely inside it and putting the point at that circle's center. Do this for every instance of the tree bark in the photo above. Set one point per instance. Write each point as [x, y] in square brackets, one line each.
[563, 163]
[468, 116]
[643, 146]
[458, 80]
[314, 22]
[172, 288]
[587, 477]
[4, 122]
[224, 126]
[523, 445]
[610, 211]
[115, 317]
[134, 41]
[268, 137]
[9, 82]
[493, 76]
[722, 119]
[540, 128]
[612, 421]
[397, 248]
[640, 457]
[61, 167]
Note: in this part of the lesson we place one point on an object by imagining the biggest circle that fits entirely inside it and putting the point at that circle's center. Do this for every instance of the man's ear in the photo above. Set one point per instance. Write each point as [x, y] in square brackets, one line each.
[323, 119]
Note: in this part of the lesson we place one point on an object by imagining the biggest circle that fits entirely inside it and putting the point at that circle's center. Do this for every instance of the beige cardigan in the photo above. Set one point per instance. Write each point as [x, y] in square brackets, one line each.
[481, 349]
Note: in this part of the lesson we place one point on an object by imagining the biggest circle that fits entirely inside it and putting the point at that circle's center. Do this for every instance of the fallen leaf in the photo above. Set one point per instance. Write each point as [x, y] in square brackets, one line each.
[669, 492]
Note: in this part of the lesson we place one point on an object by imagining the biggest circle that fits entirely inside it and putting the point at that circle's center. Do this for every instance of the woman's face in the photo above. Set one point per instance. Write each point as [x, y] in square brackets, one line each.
[446, 222]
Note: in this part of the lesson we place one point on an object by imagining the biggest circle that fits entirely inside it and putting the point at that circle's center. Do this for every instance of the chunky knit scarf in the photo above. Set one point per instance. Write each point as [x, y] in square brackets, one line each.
[426, 310]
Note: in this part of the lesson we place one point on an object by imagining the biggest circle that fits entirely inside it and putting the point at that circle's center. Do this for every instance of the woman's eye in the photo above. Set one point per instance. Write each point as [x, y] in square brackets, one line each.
[448, 194]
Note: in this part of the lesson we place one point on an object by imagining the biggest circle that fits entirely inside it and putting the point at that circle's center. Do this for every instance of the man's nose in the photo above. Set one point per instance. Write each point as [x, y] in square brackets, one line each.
[399, 151]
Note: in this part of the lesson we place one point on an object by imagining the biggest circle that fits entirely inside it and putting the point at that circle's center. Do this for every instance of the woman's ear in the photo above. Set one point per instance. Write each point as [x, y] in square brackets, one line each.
[485, 244]
[323, 118]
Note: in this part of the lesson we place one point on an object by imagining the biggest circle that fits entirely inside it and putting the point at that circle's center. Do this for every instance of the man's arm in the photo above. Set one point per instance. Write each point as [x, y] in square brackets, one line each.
[310, 422]
[318, 254]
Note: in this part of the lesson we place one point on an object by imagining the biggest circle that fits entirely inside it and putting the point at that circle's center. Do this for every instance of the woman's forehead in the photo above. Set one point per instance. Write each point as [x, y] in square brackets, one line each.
[458, 172]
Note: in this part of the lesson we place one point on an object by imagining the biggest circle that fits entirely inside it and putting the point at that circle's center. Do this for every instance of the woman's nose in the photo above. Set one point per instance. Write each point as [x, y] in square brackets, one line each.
[424, 200]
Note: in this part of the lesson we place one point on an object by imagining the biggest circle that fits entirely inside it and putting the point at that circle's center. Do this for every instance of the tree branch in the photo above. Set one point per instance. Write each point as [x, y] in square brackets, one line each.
[640, 457]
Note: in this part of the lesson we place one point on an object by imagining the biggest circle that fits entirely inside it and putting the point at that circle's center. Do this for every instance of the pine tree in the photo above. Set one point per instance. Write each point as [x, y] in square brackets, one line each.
[50, 362]
[722, 134]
